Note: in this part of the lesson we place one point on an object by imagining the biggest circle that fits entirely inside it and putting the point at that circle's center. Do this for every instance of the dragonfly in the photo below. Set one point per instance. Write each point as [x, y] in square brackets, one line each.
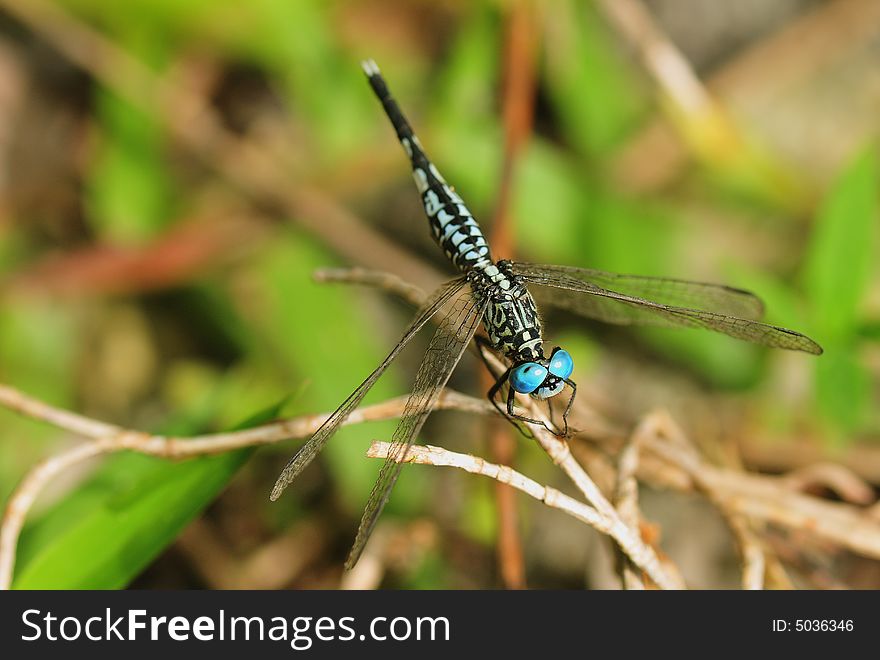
[498, 293]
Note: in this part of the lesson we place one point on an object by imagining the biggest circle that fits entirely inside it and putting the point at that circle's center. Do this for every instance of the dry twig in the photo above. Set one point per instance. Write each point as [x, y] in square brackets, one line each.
[660, 425]
[626, 499]
[613, 526]
[669, 68]
[107, 439]
[703, 123]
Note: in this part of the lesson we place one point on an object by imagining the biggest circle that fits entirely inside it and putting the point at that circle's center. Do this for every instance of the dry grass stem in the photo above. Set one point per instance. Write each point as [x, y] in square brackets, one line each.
[626, 499]
[107, 439]
[614, 527]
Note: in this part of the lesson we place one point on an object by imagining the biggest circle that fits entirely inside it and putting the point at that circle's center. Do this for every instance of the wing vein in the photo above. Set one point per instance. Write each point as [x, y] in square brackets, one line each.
[576, 289]
[447, 345]
[315, 444]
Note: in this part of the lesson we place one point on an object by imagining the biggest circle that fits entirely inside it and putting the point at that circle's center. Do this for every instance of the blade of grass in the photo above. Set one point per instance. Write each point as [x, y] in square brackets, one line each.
[838, 270]
[105, 533]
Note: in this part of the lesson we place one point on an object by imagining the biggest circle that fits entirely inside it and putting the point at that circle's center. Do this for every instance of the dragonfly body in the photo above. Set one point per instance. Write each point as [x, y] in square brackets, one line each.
[511, 315]
[497, 292]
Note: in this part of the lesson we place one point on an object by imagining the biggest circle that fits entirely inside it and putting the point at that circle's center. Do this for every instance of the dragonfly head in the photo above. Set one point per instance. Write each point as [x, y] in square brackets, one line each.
[542, 378]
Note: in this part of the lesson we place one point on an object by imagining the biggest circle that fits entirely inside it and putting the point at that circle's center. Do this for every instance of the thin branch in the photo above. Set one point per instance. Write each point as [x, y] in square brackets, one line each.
[391, 283]
[30, 407]
[661, 425]
[431, 455]
[750, 547]
[560, 453]
[704, 124]
[518, 100]
[670, 69]
[626, 499]
[215, 443]
[764, 498]
[845, 483]
[24, 495]
[781, 60]
[783, 455]
[641, 555]
[107, 438]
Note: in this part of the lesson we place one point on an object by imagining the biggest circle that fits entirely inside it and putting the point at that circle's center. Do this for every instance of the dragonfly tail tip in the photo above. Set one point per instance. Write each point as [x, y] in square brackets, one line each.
[277, 489]
[370, 67]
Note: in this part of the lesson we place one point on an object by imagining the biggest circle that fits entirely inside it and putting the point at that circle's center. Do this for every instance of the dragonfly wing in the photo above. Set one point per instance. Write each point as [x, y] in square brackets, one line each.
[716, 298]
[315, 444]
[444, 352]
[581, 295]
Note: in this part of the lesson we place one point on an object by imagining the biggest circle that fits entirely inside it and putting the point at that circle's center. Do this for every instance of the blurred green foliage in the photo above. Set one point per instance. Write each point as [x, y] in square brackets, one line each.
[291, 336]
[129, 189]
[838, 274]
[109, 530]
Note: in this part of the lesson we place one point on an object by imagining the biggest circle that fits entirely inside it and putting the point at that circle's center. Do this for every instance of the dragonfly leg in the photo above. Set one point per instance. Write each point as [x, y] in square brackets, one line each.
[508, 415]
[484, 345]
[511, 393]
[573, 386]
[550, 412]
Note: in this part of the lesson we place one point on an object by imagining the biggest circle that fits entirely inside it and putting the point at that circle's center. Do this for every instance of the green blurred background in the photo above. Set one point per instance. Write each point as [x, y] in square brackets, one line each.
[153, 276]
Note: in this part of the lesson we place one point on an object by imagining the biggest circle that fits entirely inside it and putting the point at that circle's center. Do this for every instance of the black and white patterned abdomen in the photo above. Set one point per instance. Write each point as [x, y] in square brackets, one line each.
[452, 224]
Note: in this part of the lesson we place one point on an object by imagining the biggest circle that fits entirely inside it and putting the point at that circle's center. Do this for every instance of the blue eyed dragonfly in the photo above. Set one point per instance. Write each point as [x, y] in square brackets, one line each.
[497, 293]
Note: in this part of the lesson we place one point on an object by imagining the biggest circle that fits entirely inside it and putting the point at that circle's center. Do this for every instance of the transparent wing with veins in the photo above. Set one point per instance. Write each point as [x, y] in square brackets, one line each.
[307, 453]
[716, 298]
[444, 352]
[633, 300]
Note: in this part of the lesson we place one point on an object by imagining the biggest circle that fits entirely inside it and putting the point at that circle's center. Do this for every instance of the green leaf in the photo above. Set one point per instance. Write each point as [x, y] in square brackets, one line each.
[841, 248]
[115, 524]
[593, 86]
[464, 94]
[838, 272]
[128, 189]
[843, 387]
[128, 526]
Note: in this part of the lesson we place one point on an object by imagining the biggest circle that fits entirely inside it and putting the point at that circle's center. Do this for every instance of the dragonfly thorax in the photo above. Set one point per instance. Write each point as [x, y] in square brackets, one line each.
[511, 316]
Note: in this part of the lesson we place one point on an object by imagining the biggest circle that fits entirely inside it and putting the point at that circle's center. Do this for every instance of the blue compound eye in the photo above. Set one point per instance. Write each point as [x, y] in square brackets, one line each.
[561, 364]
[526, 377]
